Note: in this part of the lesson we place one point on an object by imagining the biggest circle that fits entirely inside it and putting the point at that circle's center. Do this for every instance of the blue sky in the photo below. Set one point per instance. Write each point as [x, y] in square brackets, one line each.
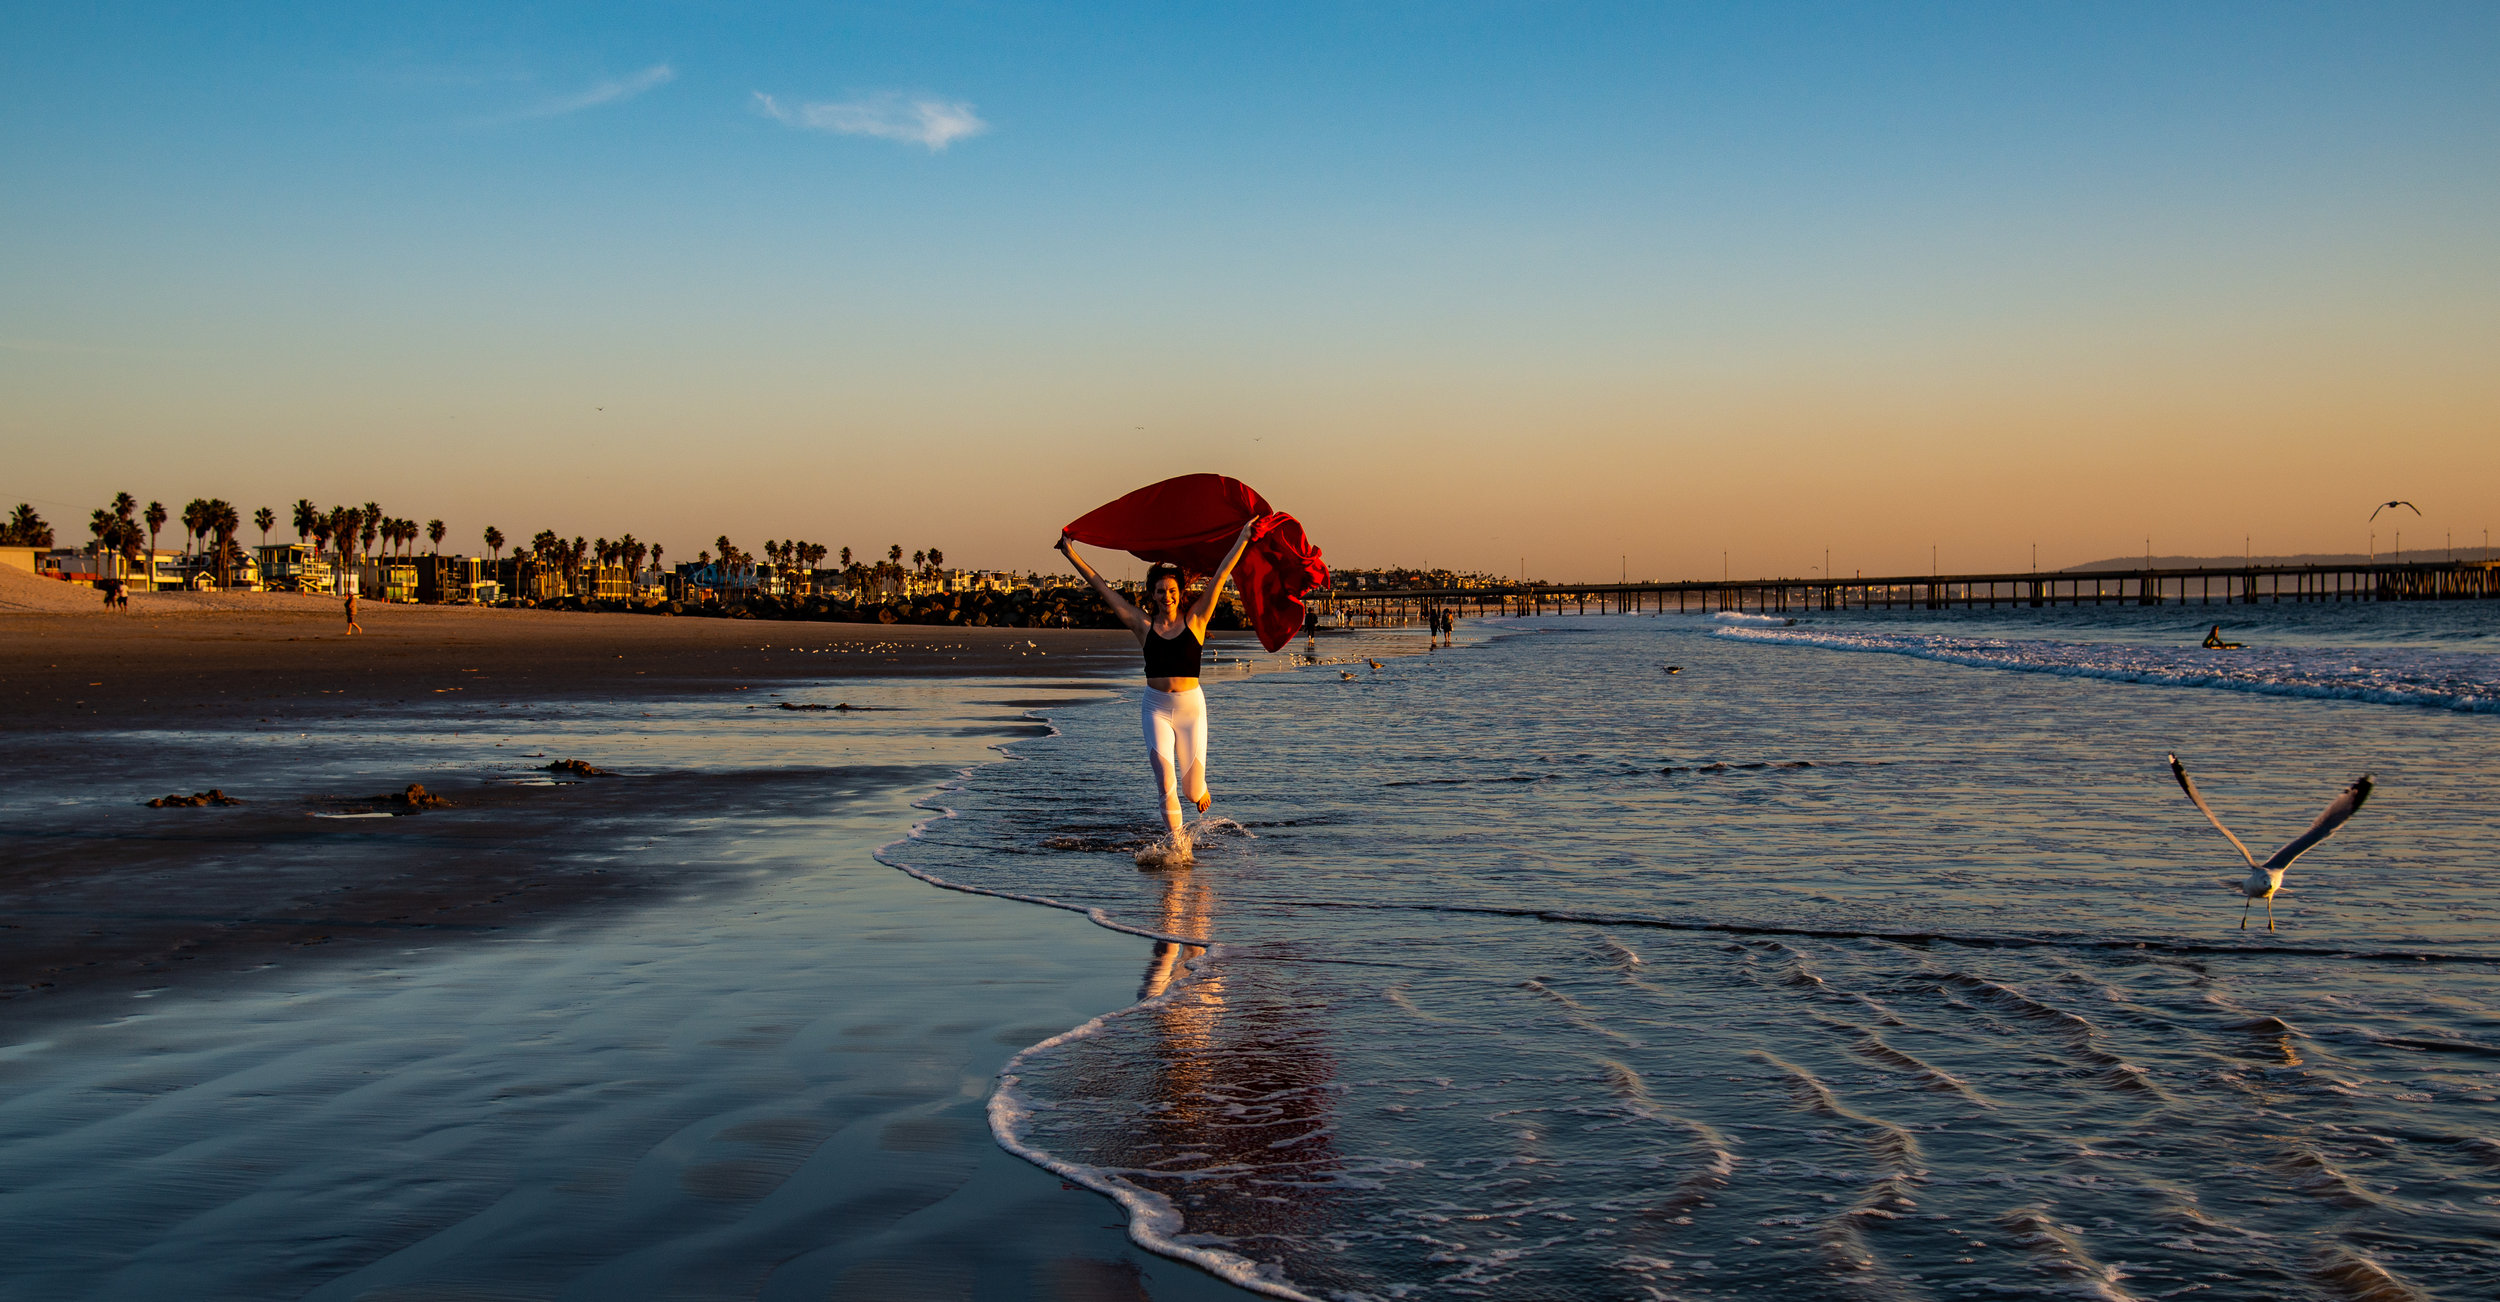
[1455, 283]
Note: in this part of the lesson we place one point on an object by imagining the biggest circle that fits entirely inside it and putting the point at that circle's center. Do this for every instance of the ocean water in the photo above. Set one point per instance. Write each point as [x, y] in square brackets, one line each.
[1870, 956]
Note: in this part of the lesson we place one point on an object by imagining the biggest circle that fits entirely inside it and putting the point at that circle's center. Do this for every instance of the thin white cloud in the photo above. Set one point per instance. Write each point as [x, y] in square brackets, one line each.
[935, 123]
[606, 92]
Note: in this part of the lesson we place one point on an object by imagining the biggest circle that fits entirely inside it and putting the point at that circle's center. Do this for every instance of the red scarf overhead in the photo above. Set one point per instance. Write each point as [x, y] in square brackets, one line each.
[1191, 522]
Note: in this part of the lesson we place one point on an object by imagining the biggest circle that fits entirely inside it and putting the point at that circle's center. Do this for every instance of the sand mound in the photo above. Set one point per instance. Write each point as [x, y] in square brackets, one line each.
[21, 591]
[170, 603]
[31, 594]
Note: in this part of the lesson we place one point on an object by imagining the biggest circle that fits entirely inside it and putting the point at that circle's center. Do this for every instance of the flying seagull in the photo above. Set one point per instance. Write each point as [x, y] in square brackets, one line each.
[2267, 878]
[2384, 505]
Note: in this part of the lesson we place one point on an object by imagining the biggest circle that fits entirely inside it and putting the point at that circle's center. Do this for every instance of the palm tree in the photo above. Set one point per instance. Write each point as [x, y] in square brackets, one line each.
[494, 542]
[228, 523]
[156, 518]
[26, 528]
[194, 515]
[846, 558]
[371, 529]
[937, 559]
[306, 514]
[434, 532]
[267, 520]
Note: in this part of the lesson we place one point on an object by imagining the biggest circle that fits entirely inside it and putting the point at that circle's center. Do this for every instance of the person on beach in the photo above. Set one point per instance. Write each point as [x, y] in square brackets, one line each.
[2214, 642]
[353, 628]
[1172, 630]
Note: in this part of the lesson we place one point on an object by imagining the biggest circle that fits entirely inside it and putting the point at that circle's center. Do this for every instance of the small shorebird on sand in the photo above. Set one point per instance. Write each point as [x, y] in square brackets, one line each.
[2267, 878]
[1373, 663]
[1673, 669]
[1346, 674]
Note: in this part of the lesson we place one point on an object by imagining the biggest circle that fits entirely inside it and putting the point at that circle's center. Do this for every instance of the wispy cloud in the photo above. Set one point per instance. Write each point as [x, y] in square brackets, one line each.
[935, 123]
[606, 92]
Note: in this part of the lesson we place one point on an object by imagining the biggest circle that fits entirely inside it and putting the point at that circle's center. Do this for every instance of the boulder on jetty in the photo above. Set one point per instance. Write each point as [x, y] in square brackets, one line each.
[196, 800]
[578, 768]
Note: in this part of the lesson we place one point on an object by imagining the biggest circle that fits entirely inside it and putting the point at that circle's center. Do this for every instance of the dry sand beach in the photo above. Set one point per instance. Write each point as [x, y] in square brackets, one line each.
[670, 1030]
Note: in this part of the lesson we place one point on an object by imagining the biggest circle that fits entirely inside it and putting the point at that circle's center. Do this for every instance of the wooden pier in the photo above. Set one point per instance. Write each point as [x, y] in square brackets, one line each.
[2247, 585]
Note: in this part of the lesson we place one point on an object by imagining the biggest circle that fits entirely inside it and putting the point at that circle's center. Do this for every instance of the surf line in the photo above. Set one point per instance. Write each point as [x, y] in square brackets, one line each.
[1912, 938]
[1154, 1223]
[1152, 1219]
[1971, 653]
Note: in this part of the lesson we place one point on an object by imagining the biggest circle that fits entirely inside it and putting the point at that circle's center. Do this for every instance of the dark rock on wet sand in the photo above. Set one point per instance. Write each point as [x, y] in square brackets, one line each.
[578, 768]
[415, 797]
[195, 800]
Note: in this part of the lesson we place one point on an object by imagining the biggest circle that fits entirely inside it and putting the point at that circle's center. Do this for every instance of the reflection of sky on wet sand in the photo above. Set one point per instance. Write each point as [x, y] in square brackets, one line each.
[772, 1086]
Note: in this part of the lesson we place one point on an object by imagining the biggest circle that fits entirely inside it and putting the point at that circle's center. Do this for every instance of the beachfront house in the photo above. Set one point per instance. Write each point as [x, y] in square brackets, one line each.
[739, 578]
[387, 578]
[295, 567]
[446, 580]
[81, 566]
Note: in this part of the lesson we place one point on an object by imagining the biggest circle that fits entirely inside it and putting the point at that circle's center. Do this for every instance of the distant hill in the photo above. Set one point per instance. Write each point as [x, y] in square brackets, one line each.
[2236, 562]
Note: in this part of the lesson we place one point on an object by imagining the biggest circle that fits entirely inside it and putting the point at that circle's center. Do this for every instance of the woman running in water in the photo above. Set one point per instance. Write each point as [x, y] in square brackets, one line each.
[1175, 710]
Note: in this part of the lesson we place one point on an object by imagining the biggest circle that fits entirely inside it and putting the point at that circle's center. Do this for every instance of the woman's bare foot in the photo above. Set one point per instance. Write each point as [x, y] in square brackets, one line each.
[1204, 799]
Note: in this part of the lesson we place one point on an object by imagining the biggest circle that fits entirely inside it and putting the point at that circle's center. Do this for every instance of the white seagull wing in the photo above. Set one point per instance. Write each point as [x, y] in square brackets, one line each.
[2179, 771]
[2343, 806]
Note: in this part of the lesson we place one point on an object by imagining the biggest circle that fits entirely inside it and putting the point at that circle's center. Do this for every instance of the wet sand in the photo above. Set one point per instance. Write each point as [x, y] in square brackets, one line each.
[669, 1032]
[110, 893]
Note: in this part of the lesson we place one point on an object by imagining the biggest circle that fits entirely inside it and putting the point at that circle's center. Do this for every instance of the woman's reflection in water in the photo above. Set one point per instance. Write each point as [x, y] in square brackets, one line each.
[1237, 1128]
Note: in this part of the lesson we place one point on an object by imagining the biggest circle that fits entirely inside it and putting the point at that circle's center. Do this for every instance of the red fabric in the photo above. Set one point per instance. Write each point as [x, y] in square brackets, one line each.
[1191, 522]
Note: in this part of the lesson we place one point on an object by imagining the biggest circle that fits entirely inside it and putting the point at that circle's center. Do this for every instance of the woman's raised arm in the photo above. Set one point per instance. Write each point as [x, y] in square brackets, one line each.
[1204, 611]
[1121, 606]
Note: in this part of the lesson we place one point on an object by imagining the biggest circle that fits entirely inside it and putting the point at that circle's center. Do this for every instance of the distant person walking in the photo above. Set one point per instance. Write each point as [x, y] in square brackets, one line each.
[353, 628]
[1172, 631]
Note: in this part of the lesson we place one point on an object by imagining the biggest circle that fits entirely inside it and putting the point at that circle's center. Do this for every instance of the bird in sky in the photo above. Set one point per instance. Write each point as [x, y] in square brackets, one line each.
[2267, 878]
[2384, 505]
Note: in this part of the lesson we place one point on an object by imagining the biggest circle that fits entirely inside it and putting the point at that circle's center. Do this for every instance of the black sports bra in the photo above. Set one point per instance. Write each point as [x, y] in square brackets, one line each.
[1172, 657]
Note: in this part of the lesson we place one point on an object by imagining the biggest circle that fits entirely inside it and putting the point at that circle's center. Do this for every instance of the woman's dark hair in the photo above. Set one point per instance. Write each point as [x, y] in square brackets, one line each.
[1158, 572]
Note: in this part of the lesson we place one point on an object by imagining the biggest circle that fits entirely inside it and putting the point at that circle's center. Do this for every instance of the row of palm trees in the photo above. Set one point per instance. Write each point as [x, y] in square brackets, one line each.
[117, 527]
[347, 532]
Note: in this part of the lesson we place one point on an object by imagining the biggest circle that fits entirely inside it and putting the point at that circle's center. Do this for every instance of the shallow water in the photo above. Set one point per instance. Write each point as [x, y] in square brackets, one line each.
[1533, 971]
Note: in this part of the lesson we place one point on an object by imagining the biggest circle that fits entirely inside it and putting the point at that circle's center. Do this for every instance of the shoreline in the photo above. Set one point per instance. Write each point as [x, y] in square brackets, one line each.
[821, 1032]
[101, 892]
[239, 903]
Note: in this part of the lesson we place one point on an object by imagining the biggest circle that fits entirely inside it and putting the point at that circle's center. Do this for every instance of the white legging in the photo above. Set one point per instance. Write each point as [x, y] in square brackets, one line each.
[1176, 746]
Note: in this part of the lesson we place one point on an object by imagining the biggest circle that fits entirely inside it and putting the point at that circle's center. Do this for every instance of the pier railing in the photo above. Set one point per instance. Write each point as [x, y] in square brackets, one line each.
[2242, 585]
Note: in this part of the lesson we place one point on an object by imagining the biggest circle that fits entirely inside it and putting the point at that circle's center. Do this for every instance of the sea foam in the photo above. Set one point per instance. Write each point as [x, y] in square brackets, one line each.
[2444, 680]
